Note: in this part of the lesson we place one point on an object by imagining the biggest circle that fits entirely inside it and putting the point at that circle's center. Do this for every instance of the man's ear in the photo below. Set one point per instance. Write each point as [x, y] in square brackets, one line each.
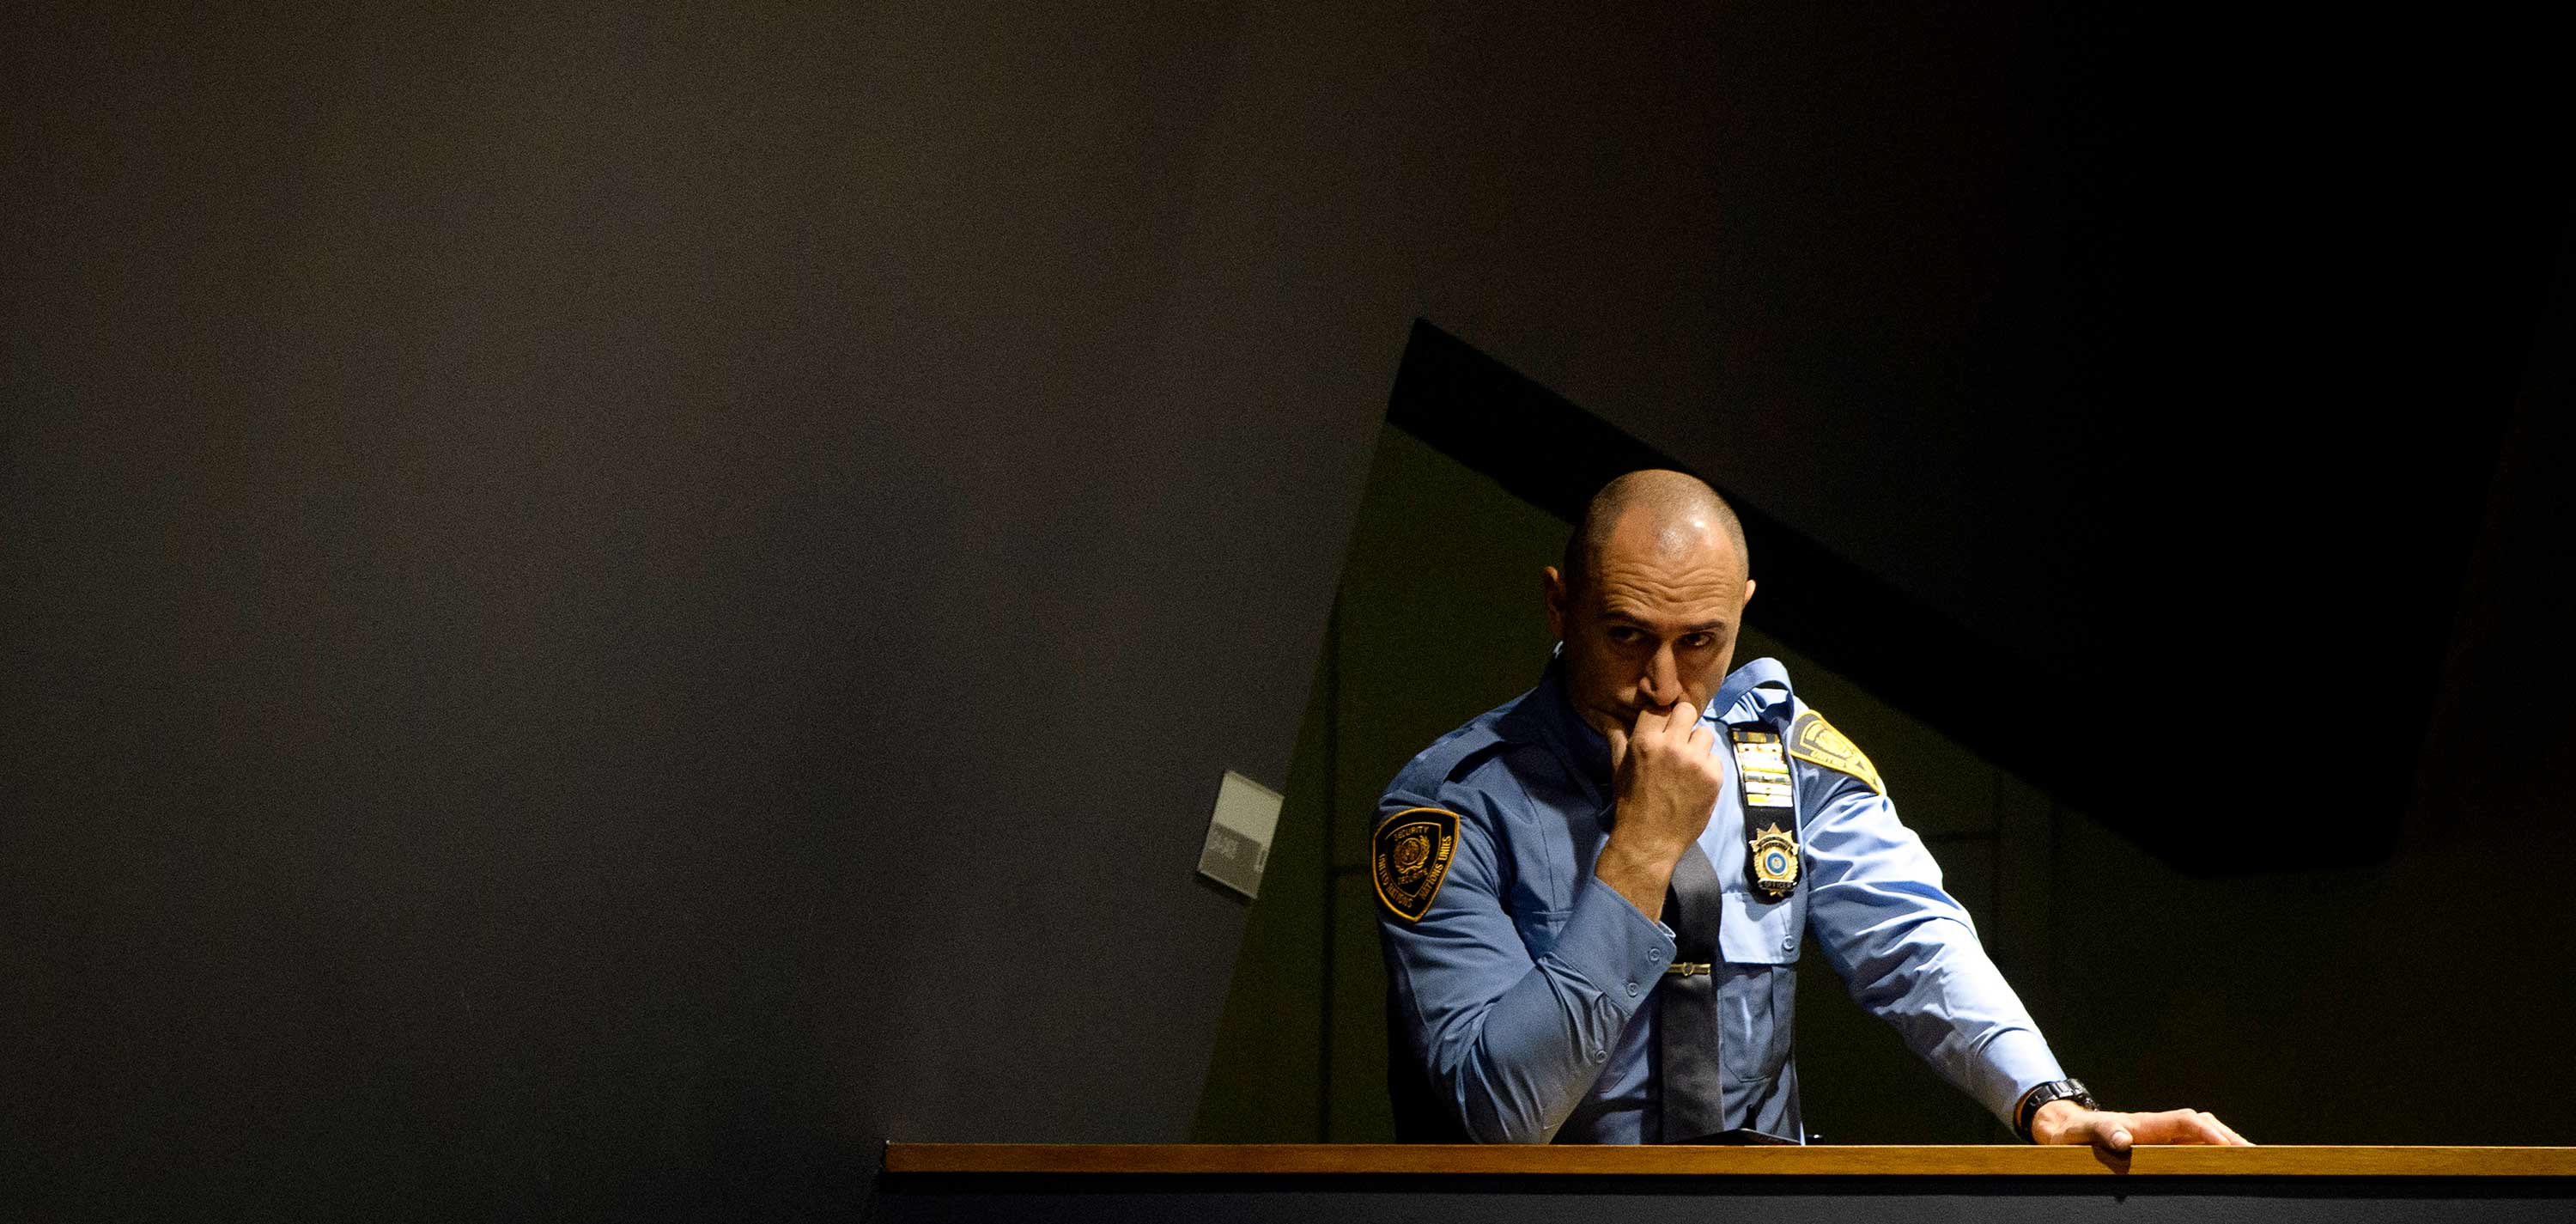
[1552, 588]
[1748, 591]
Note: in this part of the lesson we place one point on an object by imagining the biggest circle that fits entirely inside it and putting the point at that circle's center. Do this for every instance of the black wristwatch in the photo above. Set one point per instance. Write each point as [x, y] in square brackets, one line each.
[2054, 1090]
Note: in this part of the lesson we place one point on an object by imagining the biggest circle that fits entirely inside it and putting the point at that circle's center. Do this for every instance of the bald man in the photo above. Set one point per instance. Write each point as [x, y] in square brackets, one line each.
[1592, 898]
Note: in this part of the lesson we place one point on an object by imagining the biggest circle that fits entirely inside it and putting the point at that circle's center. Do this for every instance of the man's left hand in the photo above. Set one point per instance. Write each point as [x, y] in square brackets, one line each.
[2068, 1122]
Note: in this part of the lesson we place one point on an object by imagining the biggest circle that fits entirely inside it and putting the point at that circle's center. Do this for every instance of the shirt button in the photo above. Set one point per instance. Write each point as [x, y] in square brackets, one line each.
[1788, 945]
[1599, 1054]
[1632, 990]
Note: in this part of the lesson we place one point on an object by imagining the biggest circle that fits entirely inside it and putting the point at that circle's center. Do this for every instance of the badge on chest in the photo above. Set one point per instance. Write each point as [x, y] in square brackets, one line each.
[1770, 810]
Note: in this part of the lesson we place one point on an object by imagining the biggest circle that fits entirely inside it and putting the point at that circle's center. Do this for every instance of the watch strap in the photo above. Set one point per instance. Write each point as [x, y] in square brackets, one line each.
[2054, 1090]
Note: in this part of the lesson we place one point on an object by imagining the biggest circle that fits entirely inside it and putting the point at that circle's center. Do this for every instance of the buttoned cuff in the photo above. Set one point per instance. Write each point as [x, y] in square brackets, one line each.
[2015, 1062]
[1613, 945]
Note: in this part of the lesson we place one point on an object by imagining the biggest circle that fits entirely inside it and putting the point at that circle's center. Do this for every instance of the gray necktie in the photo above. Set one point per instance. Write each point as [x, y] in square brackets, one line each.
[1693, 1095]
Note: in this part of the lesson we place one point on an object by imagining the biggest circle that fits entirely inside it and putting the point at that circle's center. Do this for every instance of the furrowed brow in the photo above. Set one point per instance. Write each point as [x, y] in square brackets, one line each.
[1622, 614]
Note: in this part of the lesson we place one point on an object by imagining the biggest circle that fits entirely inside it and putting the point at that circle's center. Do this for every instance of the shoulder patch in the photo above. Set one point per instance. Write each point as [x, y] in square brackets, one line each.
[1814, 740]
[1409, 856]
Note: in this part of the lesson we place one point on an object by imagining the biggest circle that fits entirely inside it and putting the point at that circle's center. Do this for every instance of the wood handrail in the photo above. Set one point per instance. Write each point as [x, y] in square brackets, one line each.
[1812, 1161]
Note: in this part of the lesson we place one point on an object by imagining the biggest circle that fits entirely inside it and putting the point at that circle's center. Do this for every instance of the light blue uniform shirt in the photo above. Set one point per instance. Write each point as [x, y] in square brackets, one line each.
[1521, 1006]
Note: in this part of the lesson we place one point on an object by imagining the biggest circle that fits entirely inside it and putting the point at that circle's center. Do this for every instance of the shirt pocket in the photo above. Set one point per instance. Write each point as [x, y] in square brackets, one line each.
[1752, 931]
[1758, 984]
[1757, 1013]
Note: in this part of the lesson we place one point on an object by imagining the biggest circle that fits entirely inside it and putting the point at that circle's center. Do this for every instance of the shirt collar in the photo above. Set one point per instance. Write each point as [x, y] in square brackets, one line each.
[1751, 690]
[1587, 750]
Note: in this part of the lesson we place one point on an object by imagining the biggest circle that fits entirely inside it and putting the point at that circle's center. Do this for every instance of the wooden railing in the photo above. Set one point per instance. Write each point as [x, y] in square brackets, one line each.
[1272, 1160]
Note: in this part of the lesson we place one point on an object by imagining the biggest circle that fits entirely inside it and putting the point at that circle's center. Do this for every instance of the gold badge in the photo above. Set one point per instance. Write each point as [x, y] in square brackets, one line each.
[1409, 856]
[1775, 862]
[1813, 739]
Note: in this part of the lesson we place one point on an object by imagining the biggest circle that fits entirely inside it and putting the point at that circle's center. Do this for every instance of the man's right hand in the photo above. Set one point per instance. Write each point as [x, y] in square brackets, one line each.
[1664, 778]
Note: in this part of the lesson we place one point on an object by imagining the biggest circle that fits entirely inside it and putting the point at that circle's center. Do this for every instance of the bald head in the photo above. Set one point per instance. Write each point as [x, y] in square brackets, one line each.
[1664, 510]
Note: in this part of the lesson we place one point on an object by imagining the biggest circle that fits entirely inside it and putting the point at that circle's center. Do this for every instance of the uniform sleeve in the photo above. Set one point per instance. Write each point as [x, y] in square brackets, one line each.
[1509, 1040]
[1909, 952]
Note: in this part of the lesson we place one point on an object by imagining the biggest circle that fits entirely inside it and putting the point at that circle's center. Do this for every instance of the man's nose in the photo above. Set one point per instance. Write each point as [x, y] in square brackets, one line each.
[1663, 678]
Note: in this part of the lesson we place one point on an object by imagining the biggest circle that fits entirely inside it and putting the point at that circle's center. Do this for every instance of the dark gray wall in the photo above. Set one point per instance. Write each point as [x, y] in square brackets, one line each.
[603, 608]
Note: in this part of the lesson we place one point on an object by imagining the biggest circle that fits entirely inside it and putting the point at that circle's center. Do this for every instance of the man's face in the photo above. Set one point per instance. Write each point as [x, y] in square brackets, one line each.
[1655, 622]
